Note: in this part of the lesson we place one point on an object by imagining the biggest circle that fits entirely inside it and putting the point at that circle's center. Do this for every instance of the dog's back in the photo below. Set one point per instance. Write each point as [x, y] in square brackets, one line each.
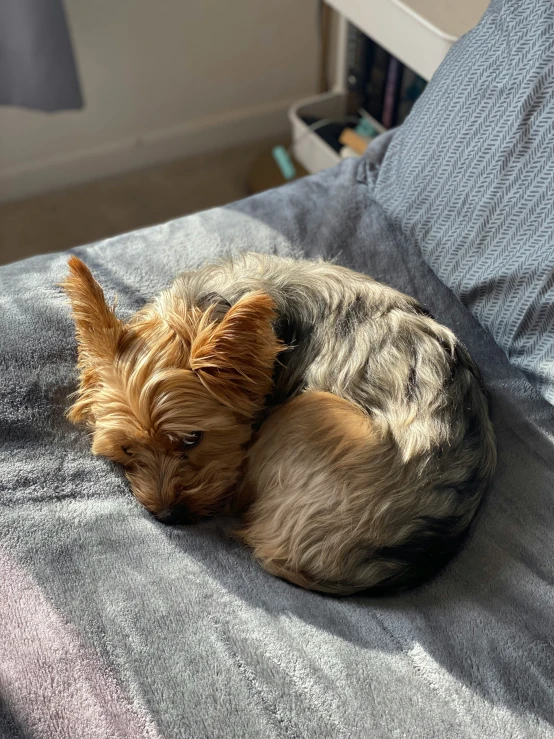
[379, 449]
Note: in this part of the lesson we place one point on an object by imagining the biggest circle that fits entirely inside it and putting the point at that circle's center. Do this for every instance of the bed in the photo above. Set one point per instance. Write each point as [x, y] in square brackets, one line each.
[113, 625]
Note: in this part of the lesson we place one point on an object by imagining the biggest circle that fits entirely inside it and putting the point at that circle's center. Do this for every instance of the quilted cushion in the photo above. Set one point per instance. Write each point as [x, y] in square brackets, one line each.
[469, 178]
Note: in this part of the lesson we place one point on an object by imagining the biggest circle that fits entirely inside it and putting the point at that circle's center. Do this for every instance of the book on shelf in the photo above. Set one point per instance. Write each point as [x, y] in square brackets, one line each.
[358, 66]
[378, 82]
[392, 92]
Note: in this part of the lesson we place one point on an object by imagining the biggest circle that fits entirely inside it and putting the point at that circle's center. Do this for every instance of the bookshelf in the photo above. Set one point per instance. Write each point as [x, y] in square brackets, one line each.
[419, 33]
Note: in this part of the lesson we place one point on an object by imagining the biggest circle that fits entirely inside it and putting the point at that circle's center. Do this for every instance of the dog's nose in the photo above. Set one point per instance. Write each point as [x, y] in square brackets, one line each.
[178, 514]
[167, 517]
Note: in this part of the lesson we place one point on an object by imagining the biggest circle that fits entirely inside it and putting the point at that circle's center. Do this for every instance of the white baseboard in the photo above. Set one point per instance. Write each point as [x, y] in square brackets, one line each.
[196, 137]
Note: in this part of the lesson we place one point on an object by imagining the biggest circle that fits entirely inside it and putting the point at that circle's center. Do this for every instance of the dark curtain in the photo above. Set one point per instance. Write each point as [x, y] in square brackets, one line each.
[37, 67]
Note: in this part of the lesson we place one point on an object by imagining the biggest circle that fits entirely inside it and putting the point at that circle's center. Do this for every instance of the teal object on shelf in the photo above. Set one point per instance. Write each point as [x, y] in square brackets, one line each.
[366, 128]
[284, 162]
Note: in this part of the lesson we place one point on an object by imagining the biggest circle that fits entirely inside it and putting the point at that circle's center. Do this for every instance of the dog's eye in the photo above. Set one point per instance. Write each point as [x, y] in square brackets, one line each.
[192, 438]
[126, 450]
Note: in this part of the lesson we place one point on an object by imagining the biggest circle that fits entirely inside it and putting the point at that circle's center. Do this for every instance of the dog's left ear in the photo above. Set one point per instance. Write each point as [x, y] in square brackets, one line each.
[98, 333]
[234, 358]
[97, 327]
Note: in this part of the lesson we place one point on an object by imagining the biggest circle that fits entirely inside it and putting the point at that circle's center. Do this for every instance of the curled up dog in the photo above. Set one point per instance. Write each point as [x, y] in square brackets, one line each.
[345, 425]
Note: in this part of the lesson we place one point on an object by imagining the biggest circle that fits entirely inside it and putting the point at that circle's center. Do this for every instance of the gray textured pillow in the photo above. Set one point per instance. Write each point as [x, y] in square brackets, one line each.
[469, 178]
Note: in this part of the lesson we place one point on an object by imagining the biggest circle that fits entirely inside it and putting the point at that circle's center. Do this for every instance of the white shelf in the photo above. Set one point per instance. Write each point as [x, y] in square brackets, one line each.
[307, 146]
[418, 32]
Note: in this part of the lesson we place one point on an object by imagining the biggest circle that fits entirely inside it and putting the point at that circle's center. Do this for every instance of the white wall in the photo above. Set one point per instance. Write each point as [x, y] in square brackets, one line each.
[162, 79]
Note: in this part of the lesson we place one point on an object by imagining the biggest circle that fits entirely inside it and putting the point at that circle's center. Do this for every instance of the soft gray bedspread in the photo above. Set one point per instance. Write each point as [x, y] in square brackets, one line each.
[114, 625]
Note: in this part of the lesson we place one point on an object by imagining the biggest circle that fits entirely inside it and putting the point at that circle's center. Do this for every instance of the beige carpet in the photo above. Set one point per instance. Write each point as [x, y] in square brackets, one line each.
[79, 215]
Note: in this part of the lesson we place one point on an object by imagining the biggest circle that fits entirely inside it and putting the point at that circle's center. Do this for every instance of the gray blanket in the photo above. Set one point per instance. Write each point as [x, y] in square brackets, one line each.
[114, 625]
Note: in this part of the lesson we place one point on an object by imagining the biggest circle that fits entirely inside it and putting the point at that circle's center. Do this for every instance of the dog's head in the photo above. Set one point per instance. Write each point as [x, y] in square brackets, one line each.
[173, 393]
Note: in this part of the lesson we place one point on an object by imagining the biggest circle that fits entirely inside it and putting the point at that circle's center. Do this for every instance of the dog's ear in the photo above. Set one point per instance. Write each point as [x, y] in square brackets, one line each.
[235, 358]
[98, 332]
[97, 328]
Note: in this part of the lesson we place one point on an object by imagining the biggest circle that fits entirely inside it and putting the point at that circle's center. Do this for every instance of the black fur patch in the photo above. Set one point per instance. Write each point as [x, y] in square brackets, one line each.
[358, 310]
[422, 556]
[221, 304]
[473, 428]
[421, 311]
[467, 488]
[291, 365]
[462, 357]
[411, 385]
[355, 313]
[285, 331]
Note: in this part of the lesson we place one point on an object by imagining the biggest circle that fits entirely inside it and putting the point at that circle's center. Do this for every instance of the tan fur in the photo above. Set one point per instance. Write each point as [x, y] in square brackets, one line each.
[318, 482]
[374, 449]
[335, 493]
[145, 384]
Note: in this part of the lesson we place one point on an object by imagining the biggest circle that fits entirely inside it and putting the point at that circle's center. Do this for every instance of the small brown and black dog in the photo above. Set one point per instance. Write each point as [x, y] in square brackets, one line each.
[347, 426]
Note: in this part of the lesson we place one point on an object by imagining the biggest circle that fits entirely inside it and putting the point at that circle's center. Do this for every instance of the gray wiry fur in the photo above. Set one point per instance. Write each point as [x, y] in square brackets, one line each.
[378, 349]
